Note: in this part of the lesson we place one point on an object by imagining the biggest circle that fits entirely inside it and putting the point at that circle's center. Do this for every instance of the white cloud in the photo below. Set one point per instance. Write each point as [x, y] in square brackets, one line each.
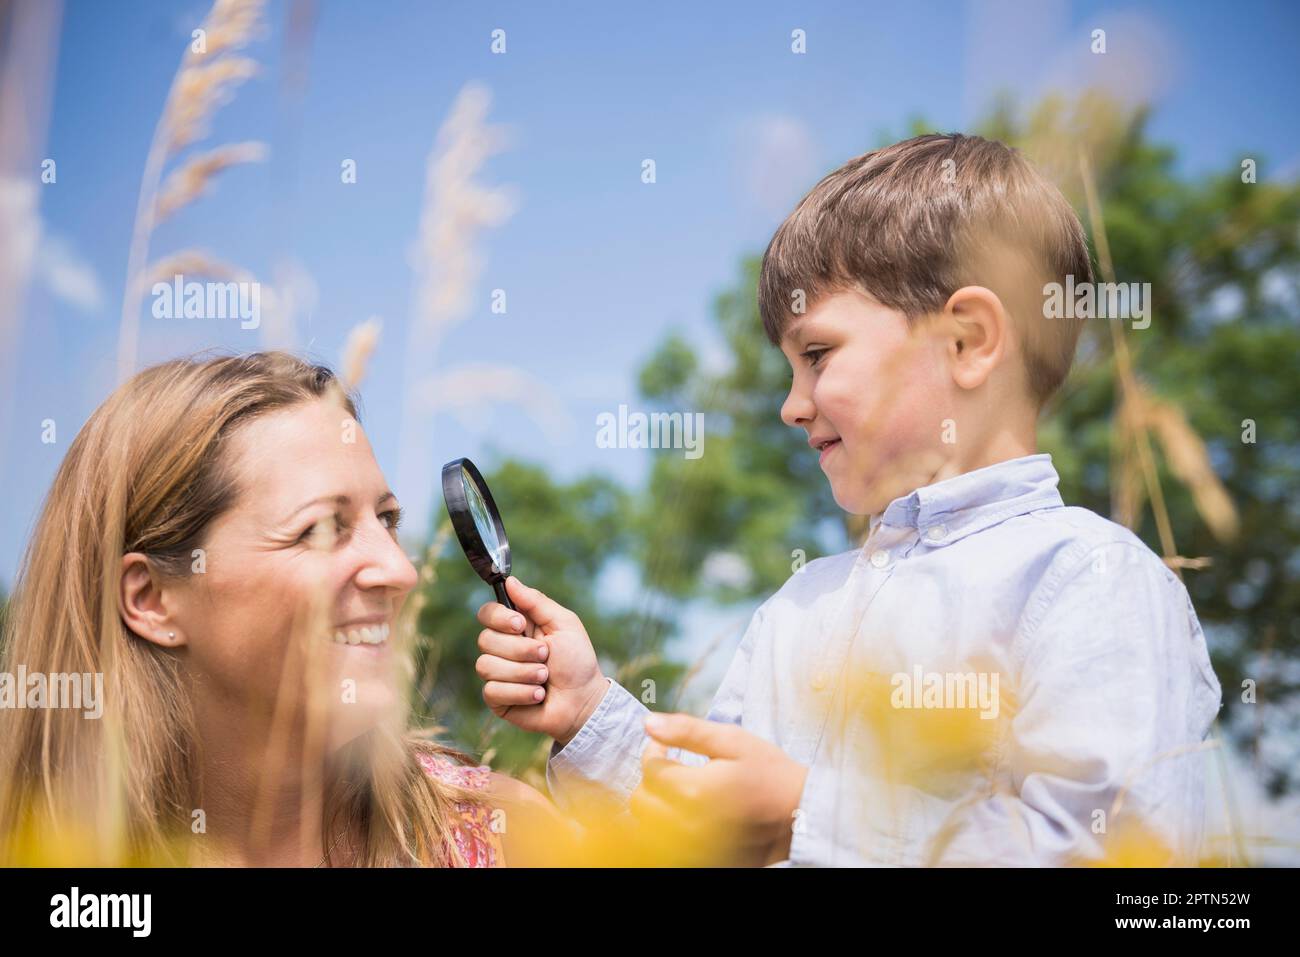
[777, 161]
[20, 230]
[67, 276]
[292, 296]
[30, 252]
[727, 569]
[1036, 49]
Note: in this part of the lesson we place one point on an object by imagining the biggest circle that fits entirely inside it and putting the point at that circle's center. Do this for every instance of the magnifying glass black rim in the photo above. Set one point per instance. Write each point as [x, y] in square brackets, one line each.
[462, 520]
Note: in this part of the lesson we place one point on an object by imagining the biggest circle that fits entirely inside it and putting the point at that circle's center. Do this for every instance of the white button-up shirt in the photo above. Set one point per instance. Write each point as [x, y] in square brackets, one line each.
[993, 678]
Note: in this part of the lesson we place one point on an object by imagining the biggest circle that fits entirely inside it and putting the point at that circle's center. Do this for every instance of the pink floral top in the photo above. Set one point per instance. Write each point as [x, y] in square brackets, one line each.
[475, 840]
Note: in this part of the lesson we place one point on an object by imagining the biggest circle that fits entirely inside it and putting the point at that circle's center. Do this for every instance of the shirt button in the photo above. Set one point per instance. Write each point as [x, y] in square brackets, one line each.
[820, 681]
[936, 533]
[880, 558]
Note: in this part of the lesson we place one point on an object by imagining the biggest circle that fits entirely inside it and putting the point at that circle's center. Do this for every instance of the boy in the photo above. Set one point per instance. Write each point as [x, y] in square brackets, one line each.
[907, 292]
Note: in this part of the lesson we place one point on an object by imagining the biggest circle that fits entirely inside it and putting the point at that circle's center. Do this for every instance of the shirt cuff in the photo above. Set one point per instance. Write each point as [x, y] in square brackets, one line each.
[602, 763]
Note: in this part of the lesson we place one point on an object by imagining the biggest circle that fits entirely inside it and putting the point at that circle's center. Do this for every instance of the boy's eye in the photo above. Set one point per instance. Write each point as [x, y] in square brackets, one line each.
[813, 356]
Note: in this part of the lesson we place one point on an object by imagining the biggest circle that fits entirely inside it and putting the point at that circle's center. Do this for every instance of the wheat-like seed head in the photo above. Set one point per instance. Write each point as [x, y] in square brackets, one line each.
[1186, 454]
[192, 263]
[200, 89]
[456, 208]
[357, 350]
[1189, 460]
[194, 178]
[230, 24]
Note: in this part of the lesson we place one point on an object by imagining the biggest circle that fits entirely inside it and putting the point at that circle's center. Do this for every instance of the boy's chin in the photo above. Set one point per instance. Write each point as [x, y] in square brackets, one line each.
[855, 501]
[873, 487]
[869, 497]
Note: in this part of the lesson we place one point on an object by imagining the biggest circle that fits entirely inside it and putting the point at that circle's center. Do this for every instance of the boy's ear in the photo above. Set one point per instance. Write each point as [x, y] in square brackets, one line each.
[976, 327]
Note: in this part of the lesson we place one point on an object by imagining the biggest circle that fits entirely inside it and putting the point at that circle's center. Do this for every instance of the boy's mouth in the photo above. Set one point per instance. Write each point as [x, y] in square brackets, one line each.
[824, 444]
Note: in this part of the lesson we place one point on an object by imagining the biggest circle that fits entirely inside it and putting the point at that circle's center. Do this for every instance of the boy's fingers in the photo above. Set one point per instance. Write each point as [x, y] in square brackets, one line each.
[512, 647]
[502, 693]
[498, 617]
[654, 758]
[676, 783]
[649, 808]
[710, 738]
[542, 610]
[492, 668]
[654, 751]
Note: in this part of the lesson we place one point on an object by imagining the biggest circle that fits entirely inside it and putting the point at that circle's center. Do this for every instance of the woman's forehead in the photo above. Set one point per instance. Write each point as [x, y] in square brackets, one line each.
[293, 455]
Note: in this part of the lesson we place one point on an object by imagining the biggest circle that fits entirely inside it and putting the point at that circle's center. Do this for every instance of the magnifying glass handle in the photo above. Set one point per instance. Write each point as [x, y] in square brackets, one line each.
[500, 588]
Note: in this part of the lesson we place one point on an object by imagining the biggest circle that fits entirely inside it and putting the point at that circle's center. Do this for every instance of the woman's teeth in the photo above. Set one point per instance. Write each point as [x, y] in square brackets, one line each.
[374, 635]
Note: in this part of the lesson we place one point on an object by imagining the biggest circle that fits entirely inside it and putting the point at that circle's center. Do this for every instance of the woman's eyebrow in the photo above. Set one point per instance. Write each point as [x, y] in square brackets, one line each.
[341, 500]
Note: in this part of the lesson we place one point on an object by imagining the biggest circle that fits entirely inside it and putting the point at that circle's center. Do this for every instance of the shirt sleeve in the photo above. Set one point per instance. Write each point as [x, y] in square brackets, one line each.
[601, 764]
[1106, 751]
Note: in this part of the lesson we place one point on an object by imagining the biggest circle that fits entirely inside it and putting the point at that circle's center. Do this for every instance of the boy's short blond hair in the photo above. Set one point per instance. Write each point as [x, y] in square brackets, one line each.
[912, 223]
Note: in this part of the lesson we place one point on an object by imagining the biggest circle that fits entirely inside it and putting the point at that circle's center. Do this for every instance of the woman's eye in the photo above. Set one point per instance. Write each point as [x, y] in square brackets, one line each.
[393, 518]
[321, 533]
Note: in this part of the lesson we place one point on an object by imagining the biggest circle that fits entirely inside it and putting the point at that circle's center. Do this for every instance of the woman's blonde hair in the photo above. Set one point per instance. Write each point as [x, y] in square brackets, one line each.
[148, 473]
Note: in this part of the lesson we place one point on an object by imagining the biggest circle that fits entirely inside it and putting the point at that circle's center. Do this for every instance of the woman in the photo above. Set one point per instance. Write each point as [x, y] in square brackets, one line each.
[220, 544]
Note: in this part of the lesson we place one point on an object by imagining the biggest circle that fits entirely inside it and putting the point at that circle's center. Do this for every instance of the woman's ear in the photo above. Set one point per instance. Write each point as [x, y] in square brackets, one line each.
[144, 605]
[979, 326]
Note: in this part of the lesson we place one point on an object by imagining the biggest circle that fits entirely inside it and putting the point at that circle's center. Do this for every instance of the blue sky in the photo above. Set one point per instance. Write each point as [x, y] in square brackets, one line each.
[597, 265]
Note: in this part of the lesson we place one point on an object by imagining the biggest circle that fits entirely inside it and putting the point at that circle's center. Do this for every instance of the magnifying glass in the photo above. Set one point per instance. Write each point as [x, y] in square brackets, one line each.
[478, 526]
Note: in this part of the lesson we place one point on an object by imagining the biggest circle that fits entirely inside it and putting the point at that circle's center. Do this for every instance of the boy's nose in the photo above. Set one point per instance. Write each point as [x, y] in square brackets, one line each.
[797, 409]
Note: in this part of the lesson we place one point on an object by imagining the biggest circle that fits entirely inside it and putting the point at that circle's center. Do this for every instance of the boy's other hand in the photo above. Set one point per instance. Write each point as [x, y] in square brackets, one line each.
[752, 782]
[539, 668]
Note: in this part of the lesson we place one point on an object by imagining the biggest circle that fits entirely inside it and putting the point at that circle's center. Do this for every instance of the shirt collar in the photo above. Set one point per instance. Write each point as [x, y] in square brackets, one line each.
[959, 506]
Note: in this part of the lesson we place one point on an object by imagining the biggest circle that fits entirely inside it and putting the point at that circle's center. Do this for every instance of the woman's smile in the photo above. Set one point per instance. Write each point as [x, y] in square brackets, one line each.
[371, 636]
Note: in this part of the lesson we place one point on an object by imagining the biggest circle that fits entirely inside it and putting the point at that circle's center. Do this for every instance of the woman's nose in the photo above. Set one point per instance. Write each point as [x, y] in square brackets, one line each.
[384, 564]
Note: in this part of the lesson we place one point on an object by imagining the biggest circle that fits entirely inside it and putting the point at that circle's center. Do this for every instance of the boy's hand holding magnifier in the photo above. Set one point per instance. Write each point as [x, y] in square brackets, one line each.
[538, 664]
[541, 674]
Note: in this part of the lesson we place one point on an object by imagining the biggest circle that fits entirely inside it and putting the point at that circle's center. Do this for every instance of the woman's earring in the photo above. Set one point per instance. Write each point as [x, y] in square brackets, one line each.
[171, 635]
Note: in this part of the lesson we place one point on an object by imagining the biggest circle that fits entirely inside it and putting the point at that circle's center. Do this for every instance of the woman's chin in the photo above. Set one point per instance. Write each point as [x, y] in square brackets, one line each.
[360, 700]
[349, 722]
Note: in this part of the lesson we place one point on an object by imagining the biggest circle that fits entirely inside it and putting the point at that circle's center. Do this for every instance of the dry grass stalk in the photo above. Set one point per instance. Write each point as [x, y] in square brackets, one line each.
[1125, 378]
[456, 208]
[361, 343]
[194, 178]
[192, 263]
[1188, 459]
[1128, 386]
[200, 90]
[230, 25]
[446, 259]
[204, 81]
[1190, 462]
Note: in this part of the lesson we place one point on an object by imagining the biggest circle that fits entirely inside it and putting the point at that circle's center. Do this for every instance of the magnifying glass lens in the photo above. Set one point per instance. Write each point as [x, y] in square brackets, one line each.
[487, 529]
[478, 526]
